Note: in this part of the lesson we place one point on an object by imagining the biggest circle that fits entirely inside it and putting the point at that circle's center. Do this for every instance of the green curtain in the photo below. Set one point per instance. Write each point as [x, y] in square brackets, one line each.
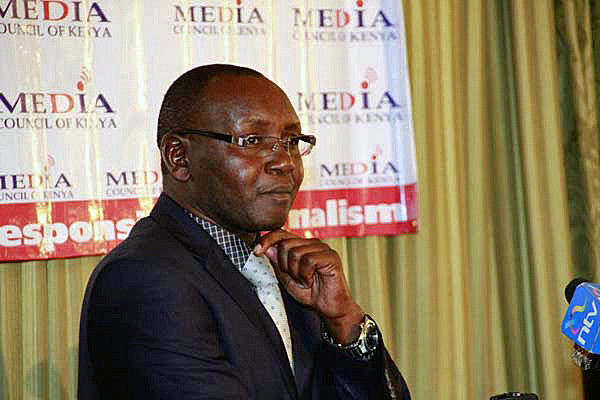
[578, 26]
[504, 104]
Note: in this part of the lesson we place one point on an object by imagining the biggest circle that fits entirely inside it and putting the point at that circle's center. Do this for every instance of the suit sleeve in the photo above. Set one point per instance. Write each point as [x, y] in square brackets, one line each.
[153, 336]
[377, 378]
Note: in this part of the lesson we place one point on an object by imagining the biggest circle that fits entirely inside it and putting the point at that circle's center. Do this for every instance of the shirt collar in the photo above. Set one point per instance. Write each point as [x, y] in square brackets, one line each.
[234, 247]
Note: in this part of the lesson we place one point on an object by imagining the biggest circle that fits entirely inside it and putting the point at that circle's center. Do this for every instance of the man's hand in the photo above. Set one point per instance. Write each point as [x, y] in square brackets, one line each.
[312, 273]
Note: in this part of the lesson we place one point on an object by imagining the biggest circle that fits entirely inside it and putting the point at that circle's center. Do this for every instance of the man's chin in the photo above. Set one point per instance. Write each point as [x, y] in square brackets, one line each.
[270, 224]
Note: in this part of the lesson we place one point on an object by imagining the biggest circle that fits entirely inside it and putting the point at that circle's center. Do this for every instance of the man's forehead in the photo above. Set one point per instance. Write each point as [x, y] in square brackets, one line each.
[230, 84]
[247, 100]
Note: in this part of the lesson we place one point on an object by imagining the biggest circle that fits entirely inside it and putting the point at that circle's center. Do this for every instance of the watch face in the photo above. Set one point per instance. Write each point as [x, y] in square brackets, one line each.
[372, 337]
[371, 341]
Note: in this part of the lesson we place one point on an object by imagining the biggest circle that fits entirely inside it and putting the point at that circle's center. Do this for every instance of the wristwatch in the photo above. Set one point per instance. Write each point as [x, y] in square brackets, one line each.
[364, 347]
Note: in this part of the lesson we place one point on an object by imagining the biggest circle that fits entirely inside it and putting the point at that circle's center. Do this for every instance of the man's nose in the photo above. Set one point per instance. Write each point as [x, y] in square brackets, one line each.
[280, 161]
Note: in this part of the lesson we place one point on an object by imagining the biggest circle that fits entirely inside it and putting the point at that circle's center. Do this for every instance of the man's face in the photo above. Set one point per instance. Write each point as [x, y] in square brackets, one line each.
[232, 185]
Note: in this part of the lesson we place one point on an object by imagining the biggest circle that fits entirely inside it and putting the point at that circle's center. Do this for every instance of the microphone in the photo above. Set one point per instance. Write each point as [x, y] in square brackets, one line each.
[570, 289]
[515, 396]
[581, 325]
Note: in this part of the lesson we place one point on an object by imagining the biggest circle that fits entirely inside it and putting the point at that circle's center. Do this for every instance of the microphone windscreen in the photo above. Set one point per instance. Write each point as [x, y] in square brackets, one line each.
[515, 396]
[570, 289]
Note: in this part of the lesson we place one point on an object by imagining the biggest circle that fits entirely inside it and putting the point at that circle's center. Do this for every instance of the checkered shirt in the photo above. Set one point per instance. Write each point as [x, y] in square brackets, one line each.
[234, 247]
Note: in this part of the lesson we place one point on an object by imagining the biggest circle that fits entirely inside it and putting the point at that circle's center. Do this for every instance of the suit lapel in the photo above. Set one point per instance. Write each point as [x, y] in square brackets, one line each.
[216, 263]
[302, 328]
[240, 290]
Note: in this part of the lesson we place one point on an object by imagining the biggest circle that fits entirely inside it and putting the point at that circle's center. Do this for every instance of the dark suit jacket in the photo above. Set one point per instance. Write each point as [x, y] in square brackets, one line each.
[166, 315]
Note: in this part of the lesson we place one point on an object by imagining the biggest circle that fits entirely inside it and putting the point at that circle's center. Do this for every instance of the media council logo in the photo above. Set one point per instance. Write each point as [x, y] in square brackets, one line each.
[46, 185]
[213, 20]
[62, 109]
[54, 18]
[132, 184]
[356, 25]
[368, 103]
[378, 170]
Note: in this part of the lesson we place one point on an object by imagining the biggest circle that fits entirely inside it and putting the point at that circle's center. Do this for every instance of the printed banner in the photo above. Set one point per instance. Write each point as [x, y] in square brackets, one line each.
[82, 83]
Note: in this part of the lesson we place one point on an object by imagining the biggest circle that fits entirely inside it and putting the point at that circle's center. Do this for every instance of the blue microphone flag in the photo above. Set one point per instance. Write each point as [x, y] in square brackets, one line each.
[581, 322]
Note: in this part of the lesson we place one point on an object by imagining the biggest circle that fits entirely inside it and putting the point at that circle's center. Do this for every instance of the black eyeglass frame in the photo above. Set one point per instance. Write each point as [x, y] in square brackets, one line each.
[242, 140]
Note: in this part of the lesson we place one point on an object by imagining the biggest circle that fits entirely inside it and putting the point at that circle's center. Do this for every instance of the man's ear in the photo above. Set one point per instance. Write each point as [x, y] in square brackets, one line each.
[174, 153]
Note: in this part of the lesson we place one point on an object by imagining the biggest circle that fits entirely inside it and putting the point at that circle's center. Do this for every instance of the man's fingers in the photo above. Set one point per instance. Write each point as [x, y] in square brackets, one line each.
[296, 259]
[271, 253]
[286, 247]
[270, 239]
[284, 278]
[301, 261]
[296, 289]
[300, 258]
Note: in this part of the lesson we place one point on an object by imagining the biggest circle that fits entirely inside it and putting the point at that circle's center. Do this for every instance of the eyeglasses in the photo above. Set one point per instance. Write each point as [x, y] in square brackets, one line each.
[299, 145]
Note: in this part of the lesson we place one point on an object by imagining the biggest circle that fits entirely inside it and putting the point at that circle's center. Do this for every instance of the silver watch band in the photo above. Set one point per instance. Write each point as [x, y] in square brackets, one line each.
[364, 347]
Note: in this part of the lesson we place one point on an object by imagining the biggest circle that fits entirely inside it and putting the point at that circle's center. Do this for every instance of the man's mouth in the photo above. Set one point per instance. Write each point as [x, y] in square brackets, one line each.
[278, 192]
[278, 189]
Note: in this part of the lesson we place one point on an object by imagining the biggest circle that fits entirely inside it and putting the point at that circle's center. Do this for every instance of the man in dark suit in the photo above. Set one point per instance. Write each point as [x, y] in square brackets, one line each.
[195, 304]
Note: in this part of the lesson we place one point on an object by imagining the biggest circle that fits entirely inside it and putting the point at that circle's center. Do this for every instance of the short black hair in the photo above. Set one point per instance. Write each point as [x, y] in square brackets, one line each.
[181, 100]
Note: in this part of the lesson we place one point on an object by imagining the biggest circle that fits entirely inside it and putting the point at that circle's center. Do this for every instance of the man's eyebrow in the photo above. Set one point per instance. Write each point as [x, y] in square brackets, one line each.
[256, 121]
[292, 126]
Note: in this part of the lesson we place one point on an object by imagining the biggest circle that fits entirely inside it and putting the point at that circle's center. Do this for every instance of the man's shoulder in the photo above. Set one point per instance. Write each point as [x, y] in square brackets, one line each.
[146, 239]
[151, 250]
